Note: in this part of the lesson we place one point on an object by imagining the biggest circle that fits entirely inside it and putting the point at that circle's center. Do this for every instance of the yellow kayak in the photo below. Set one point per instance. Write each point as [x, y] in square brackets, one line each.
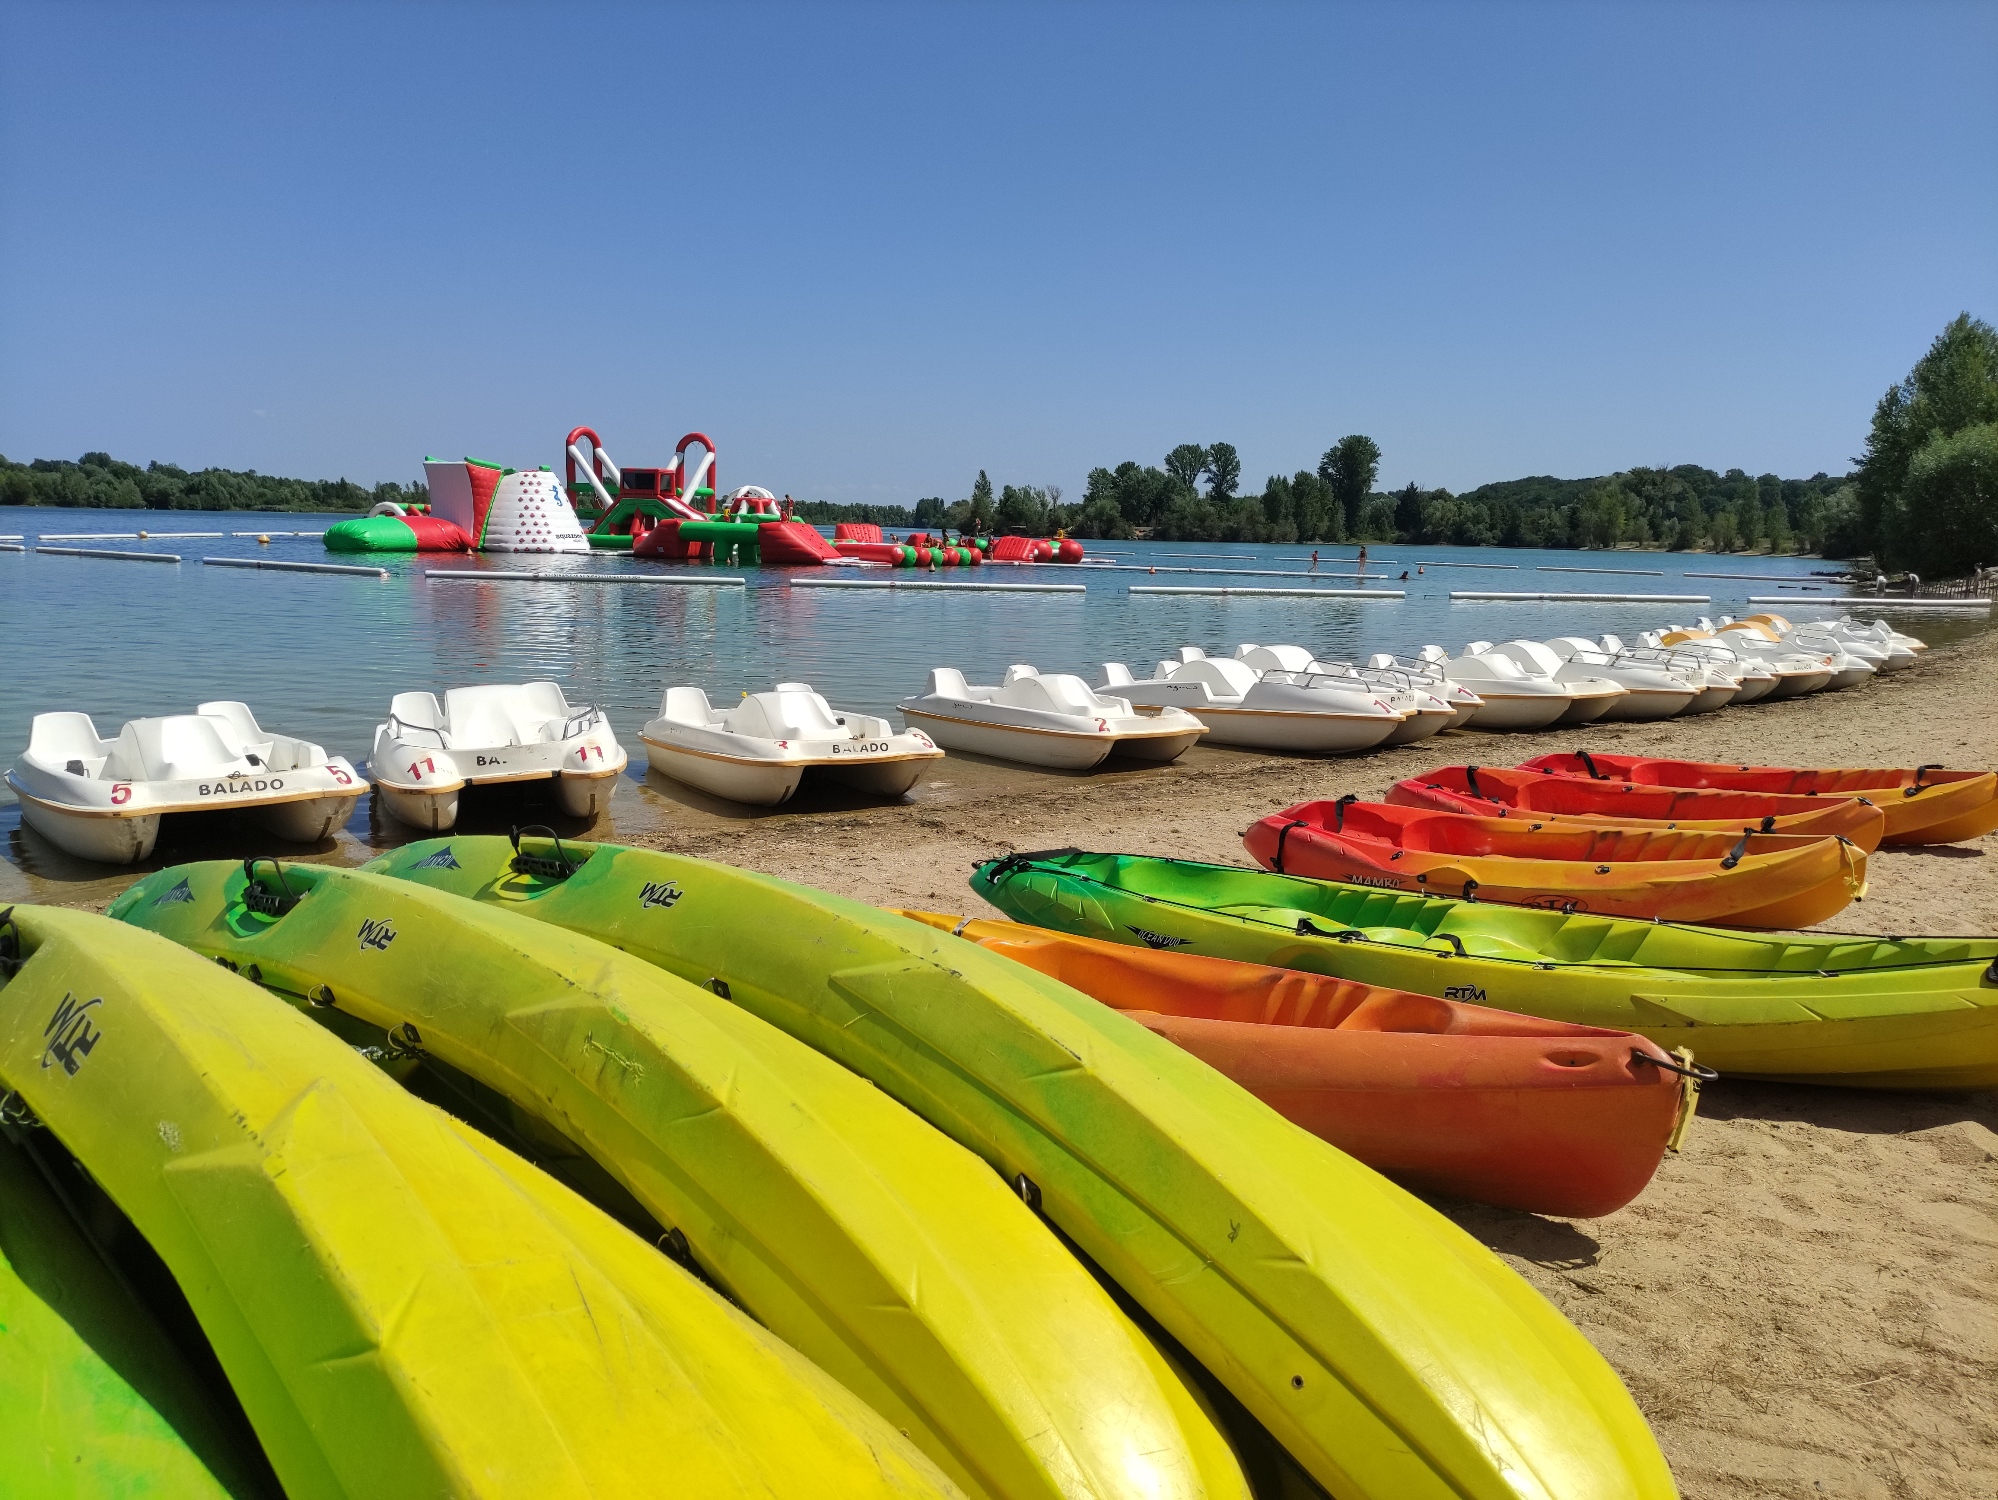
[886, 1253]
[403, 1309]
[1391, 1354]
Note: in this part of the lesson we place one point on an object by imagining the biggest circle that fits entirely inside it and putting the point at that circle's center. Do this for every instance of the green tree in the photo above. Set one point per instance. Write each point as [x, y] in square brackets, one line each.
[1022, 510]
[1185, 463]
[1224, 472]
[1952, 486]
[1350, 467]
[980, 514]
[1408, 512]
[1953, 387]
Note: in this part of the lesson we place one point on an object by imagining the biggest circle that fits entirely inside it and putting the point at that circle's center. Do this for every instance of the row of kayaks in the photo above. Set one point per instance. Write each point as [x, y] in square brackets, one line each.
[504, 1168]
[1629, 836]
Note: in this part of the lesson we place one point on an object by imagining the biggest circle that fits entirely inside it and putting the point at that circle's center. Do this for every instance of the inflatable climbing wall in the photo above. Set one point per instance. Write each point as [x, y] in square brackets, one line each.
[504, 510]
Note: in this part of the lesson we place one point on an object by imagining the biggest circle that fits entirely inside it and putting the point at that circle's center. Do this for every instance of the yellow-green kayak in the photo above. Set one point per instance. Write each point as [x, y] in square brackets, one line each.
[402, 1308]
[882, 1250]
[96, 1403]
[1871, 1012]
[1390, 1353]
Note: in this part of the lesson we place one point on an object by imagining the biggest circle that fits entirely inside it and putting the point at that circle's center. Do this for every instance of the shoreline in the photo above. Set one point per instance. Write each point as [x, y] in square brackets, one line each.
[1802, 1301]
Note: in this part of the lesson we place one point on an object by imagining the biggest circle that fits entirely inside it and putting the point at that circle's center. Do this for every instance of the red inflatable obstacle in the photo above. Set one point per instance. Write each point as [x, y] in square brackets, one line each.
[863, 540]
[794, 542]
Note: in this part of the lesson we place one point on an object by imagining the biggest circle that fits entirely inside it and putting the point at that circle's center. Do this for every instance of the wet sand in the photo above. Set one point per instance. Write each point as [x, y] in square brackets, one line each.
[1804, 1301]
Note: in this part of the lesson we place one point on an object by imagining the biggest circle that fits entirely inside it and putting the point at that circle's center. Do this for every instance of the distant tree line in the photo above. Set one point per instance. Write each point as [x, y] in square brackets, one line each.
[1928, 482]
[99, 481]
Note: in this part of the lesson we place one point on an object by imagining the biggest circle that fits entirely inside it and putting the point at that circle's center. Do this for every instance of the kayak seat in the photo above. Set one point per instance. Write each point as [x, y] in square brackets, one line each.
[57, 739]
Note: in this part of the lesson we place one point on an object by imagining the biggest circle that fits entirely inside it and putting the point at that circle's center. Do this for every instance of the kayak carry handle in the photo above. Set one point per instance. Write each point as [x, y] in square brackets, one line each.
[1733, 857]
[267, 903]
[1768, 822]
[1920, 772]
[1308, 928]
[1284, 833]
[561, 867]
[1471, 781]
[1339, 811]
[1583, 757]
[10, 945]
[1452, 939]
[1698, 1072]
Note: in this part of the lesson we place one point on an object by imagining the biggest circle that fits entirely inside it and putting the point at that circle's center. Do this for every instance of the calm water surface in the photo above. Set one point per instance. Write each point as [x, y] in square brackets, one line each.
[319, 656]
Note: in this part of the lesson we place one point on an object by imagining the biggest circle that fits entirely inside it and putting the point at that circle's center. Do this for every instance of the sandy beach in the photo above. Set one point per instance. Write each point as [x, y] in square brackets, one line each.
[1805, 1300]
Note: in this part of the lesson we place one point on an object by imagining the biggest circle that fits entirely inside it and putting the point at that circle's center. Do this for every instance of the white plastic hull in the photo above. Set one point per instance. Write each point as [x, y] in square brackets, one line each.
[1423, 723]
[1754, 691]
[1506, 712]
[1308, 733]
[431, 811]
[1850, 677]
[1056, 750]
[1157, 749]
[758, 783]
[1587, 710]
[879, 778]
[105, 840]
[1796, 684]
[586, 796]
[114, 839]
[1707, 700]
[1639, 705]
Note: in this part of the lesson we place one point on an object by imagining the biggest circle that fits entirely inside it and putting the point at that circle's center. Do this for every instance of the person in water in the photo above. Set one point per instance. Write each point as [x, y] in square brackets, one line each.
[1363, 554]
[1404, 575]
[1314, 559]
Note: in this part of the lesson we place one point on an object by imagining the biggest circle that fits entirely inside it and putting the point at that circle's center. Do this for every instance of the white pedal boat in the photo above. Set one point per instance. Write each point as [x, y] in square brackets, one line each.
[1053, 720]
[427, 753]
[1757, 681]
[1274, 709]
[103, 799]
[1512, 697]
[1593, 697]
[1423, 711]
[760, 749]
[1428, 675]
[1713, 686]
[1796, 672]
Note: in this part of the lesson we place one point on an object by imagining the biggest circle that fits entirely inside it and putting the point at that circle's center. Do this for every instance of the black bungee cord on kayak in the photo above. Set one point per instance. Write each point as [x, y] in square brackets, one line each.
[561, 867]
[262, 900]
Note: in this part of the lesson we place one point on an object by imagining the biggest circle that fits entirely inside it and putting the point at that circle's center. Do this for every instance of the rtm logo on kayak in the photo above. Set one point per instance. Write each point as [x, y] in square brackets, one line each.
[239, 788]
[1159, 939]
[180, 894]
[1470, 994]
[377, 934]
[443, 859]
[659, 893]
[70, 1034]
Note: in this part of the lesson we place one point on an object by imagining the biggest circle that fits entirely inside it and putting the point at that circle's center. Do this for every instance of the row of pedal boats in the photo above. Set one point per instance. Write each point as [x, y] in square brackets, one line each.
[102, 799]
[1088, 1202]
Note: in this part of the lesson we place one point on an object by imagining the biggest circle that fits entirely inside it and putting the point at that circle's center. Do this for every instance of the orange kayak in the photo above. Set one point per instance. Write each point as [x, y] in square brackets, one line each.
[1928, 805]
[1500, 791]
[1746, 880]
[1444, 1097]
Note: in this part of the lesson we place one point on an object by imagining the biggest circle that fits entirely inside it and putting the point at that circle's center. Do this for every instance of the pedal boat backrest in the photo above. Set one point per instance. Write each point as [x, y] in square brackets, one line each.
[948, 682]
[791, 712]
[178, 747]
[67, 742]
[689, 706]
[418, 711]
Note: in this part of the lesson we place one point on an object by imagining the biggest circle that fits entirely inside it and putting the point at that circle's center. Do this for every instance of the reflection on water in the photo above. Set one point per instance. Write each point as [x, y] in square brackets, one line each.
[320, 656]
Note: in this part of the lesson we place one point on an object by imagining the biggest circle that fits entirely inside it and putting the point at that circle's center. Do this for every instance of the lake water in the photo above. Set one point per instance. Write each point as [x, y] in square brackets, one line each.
[319, 655]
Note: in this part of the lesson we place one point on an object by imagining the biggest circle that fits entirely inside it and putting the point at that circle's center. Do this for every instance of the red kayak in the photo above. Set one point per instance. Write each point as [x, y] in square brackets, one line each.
[1501, 791]
[1742, 879]
[1443, 1097]
[1928, 805]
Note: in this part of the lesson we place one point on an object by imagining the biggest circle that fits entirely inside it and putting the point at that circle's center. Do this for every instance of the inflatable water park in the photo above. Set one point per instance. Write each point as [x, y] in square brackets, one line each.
[672, 512]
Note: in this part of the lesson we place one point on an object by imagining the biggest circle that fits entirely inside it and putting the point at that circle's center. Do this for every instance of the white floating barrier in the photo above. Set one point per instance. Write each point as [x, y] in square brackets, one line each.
[12, 547]
[1798, 578]
[496, 575]
[168, 557]
[274, 533]
[1621, 572]
[1139, 588]
[938, 584]
[1490, 567]
[1505, 598]
[125, 536]
[1871, 601]
[293, 567]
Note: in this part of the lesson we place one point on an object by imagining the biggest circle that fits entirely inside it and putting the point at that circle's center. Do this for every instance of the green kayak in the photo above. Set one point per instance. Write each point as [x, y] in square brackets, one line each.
[1390, 1353]
[1869, 1012]
[95, 1401]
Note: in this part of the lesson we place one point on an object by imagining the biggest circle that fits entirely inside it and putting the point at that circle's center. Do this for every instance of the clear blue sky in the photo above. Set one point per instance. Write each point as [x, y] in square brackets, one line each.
[873, 249]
